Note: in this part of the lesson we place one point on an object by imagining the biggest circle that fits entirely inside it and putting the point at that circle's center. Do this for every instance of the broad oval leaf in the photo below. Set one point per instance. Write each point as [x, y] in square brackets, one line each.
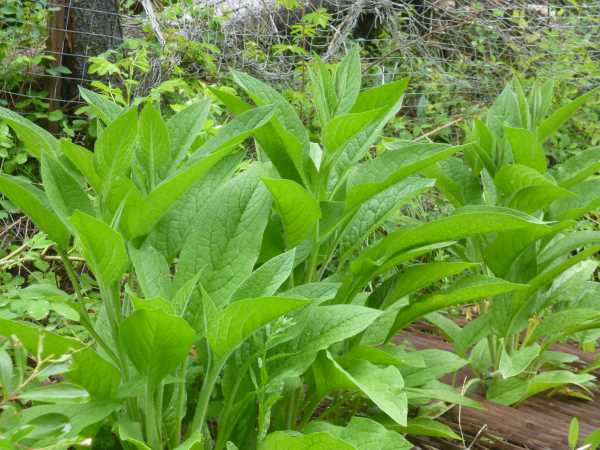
[463, 222]
[35, 204]
[103, 247]
[526, 148]
[299, 210]
[64, 192]
[83, 160]
[577, 168]
[265, 280]
[376, 209]
[36, 139]
[290, 440]
[153, 151]
[561, 115]
[106, 110]
[113, 151]
[31, 336]
[155, 342]
[226, 246]
[526, 189]
[369, 178]
[467, 289]
[384, 386]
[238, 321]
[184, 127]
[364, 434]
[142, 213]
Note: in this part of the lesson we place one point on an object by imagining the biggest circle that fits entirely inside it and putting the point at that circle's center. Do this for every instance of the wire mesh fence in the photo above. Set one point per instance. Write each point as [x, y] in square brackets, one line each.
[456, 52]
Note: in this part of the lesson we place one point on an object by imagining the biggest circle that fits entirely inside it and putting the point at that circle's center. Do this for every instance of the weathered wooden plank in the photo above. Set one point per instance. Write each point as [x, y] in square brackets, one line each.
[539, 423]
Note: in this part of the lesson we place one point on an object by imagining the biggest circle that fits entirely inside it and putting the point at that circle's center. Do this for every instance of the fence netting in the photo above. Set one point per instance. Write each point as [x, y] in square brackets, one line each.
[457, 53]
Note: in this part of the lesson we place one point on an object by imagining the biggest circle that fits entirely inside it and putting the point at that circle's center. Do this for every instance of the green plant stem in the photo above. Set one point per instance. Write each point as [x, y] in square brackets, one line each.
[292, 409]
[205, 393]
[86, 321]
[151, 421]
[175, 436]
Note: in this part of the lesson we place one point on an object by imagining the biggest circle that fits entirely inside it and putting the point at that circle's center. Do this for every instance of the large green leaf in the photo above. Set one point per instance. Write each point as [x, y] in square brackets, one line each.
[114, 148]
[181, 218]
[327, 325]
[34, 203]
[364, 434]
[153, 152]
[155, 342]
[384, 386]
[577, 168]
[564, 245]
[237, 131]
[423, 426]
[263, 94]
[287, 128]
[103, 247]
[512, 314]
[375, 210]
[540, 100]
[64, 192]
[437, 364]
[505, 250]
[526, 189]
[456, 180]
[561, 115]
[505, 111]
[346, 130]
[226, 246]
[265, 280]
[419, 276]
[152, 271]
[290, 440]
[32, 336]
[466, 221]
[80, 416]
[586, 198]
[564, 322]
[83, 160]
[347, 81]
[36, 139]
[318, 328]
[485, 146]
[106, 110]
[239, 320]
[61, 393]
[283, 148]
[467, 289]
[518, 361]
[184, 127]
[143, 213]
[394, 165]
[100, 378]
[556, 378]
[323, 90]
[387, 99]
[299, 210]
[526, 148]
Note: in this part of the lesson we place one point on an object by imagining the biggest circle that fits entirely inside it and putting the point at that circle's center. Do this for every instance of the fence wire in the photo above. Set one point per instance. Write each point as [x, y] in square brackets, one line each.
[454, 51]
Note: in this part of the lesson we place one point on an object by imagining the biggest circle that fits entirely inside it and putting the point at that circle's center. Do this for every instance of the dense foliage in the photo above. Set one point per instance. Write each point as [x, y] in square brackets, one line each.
[246, 296]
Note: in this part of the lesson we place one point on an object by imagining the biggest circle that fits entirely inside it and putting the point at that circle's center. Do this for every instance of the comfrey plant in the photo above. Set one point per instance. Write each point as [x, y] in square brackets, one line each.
[510, 342]
[250, 303]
